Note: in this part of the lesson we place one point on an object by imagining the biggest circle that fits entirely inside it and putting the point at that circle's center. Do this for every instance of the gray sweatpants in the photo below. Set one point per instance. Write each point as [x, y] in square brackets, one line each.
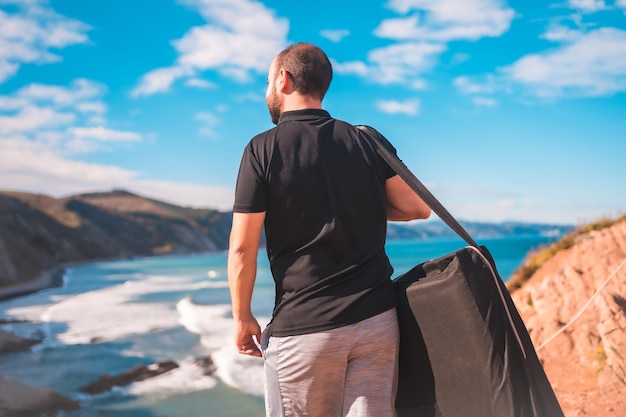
[349, 371]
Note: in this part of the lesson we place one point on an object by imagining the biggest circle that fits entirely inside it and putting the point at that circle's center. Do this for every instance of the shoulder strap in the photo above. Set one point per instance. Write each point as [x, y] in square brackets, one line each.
[401, 169]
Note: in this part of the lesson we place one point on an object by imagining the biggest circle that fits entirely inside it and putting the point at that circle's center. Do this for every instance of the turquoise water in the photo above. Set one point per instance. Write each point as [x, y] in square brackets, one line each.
[109, 316]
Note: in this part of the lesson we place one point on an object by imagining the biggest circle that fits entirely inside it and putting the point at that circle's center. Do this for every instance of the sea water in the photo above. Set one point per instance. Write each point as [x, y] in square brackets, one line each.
[110, 316]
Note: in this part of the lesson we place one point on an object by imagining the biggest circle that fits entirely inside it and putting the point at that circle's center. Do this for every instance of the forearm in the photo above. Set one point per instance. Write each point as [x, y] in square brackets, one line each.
[395, 215]
[242, 255]
[242, 261]
[241, 277]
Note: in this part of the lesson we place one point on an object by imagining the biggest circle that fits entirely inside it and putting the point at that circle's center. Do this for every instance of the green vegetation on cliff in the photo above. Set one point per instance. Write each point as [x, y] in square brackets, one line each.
[537, 258]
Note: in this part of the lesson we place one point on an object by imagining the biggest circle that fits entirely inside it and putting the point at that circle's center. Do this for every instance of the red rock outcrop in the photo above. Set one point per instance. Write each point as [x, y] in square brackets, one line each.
[586, 363]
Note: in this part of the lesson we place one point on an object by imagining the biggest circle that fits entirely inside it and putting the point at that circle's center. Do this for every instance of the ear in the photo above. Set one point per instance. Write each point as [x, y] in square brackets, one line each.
[284, 83]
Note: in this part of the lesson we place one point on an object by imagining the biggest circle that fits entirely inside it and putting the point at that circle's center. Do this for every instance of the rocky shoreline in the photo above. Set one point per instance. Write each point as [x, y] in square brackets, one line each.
[19, 400]
[48, 279]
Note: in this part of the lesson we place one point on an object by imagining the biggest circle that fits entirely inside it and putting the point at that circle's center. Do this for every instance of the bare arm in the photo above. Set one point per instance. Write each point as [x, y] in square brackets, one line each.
[242, 266]
[402, 202]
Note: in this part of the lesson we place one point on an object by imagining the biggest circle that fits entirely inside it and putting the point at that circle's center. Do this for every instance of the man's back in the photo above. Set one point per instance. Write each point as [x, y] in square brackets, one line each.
[324, 197]
[324, 193]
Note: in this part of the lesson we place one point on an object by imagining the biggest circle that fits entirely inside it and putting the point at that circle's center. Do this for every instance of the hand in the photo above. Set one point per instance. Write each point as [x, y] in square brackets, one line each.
[245, 330]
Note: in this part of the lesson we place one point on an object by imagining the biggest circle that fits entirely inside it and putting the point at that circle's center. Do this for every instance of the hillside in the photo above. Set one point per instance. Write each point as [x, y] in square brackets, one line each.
[586, 363]
[39, 232]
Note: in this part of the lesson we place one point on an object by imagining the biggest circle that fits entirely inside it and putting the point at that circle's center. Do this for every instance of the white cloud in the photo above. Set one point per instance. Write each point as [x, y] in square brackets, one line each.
[584, 64]
[64, 119]
[199, 83]
[12, 103]
[32, 118]
[468, 86]
[423, 31]
[209, 47]
[29, 166]
[399, 28]
[97, 107]
[29, 35]
[485, 101]
[350, 67]
[334, 35]
[208, 122]
[79, 90]
[104, 134]
[593, 64]
[408, 107]
[560, 33]
[42, 126]
[7, 70]
[240, 38]
[160, 80]
[459, 58]
[195, 195]
[587, 5]
[396, 64]
[446, 20]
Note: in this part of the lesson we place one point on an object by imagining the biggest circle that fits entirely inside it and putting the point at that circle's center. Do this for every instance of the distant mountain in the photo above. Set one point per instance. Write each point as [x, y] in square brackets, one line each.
[39, 232]
[438, 229]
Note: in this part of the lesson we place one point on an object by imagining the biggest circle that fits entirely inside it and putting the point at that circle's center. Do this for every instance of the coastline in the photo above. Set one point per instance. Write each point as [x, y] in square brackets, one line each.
[193, 313]
[17, 399]
[50, 278]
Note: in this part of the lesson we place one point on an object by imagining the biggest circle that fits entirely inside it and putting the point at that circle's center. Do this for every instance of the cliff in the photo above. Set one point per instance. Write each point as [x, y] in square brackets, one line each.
[38, 233]
[586, 363]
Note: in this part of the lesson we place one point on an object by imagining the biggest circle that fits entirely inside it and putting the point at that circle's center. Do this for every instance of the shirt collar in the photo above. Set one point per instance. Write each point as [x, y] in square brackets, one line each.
[303, 115]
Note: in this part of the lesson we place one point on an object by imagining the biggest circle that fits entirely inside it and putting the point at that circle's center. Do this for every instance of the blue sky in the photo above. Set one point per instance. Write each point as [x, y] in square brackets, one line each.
[506, 110]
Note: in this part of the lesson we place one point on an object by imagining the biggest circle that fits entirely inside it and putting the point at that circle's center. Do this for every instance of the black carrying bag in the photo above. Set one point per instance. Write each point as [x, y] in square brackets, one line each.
[464, 349]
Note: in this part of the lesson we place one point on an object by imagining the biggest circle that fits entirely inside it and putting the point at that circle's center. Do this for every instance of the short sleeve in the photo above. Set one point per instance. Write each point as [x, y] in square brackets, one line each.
[386, 171]
[250, 191]
[389, 171]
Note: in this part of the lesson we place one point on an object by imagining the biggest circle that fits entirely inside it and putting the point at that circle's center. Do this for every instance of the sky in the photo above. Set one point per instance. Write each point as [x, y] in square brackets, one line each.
[506, 110]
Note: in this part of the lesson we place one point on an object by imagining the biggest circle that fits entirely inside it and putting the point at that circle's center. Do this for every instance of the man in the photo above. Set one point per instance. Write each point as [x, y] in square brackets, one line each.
[323, 195]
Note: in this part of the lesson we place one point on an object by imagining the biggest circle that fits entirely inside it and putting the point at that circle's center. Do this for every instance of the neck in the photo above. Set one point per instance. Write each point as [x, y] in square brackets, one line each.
[296, 101]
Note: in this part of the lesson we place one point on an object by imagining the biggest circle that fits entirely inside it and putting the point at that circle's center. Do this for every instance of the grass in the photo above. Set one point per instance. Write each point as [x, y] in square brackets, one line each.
[537, 258]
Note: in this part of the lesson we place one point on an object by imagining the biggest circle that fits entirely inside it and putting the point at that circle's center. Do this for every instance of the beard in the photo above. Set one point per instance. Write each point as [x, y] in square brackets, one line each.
[273, 104]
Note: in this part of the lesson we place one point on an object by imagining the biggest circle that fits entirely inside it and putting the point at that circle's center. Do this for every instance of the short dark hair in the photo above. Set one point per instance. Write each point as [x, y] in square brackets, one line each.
[308, 66]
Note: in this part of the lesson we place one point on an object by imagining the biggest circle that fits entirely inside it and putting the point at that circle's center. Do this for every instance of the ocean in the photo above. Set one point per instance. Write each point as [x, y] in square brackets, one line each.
[109, 316]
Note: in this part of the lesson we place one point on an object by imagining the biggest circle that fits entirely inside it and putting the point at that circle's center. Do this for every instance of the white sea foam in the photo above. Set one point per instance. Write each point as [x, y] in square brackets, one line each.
[110, 313]
[30, 313]
[215, 325]
[207, 284]
[121, 310]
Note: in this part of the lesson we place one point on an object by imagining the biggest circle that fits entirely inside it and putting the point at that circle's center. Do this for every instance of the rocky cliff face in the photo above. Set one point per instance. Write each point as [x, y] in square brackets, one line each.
[586, 363]
[39, 232]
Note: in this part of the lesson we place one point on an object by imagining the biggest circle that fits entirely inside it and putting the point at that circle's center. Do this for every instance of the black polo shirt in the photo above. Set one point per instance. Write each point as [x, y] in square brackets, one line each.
[322, 186]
